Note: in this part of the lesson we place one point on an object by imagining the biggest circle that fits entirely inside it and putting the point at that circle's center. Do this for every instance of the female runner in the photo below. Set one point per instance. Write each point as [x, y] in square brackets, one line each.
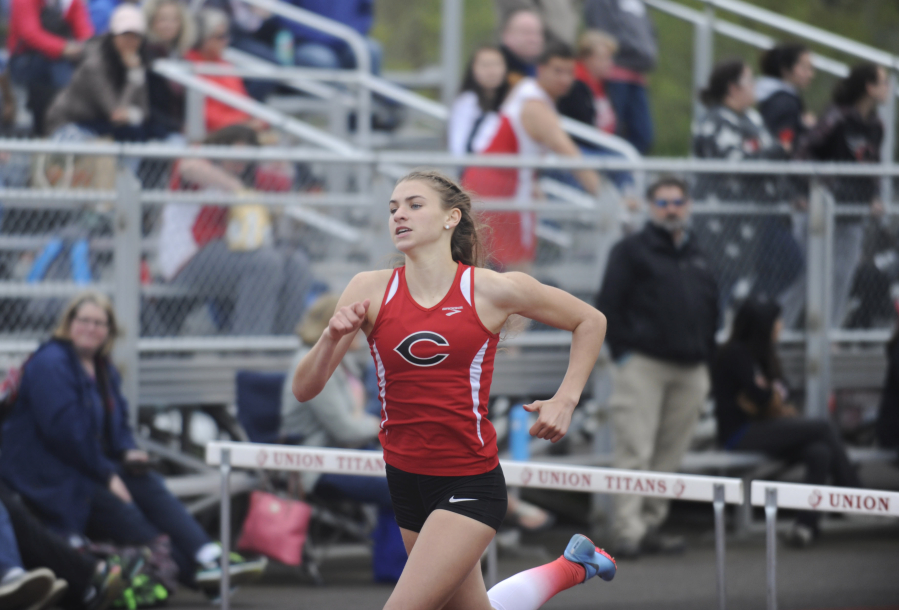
[433, 326]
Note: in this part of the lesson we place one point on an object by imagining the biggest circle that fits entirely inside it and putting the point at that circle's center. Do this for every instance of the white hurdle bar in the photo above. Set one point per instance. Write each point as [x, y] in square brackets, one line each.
[719, 491]
[819, 498]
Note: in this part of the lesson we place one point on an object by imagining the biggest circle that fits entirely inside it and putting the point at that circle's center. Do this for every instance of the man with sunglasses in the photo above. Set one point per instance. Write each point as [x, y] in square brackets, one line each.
[661, 302]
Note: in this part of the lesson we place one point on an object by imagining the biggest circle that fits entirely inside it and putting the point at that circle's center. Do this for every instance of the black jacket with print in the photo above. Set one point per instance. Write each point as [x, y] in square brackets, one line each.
[725, 134]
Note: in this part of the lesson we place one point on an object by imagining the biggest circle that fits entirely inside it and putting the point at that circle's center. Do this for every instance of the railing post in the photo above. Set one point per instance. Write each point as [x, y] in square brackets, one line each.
[450, 50]
[888, 116]
[703, 55]
[195, 116]
[771, 542]
[818, 299]
[225, 529]
[718, 506]
[126, 295]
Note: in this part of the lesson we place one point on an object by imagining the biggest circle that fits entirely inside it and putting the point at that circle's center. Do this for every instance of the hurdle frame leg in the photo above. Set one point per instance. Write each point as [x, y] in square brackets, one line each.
[771, 543]
[225, 529]
[718, 506]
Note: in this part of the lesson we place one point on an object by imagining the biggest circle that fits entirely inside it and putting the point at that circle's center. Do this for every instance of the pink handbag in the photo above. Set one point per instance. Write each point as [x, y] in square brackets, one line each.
[275, 527]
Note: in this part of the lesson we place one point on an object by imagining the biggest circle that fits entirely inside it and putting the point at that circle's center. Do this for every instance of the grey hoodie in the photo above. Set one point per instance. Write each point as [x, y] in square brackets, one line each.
[628, 21]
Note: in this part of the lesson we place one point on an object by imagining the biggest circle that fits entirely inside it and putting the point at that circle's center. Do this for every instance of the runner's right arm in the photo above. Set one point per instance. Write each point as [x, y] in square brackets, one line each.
[352, 313]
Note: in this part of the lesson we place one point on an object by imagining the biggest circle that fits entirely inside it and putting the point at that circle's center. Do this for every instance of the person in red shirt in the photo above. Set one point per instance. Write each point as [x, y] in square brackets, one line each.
[433, 325]
[45, 41]
[212, 40]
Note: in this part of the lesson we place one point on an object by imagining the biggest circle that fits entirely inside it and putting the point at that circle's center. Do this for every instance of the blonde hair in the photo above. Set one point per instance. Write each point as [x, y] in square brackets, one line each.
[63, 329]
[316, 318]
[466, 243]
[593, 39]
[186, 37]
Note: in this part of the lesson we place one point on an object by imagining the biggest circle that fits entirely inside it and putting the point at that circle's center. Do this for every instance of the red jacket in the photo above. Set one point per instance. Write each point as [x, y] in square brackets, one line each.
[27, 34]
[219, 114]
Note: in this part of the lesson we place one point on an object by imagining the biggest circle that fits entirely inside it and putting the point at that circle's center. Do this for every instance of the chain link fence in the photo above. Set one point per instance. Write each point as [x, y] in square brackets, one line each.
[231, 244]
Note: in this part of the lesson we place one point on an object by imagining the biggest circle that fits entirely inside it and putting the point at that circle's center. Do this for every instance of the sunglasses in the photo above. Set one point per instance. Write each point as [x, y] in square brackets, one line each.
[664, 203]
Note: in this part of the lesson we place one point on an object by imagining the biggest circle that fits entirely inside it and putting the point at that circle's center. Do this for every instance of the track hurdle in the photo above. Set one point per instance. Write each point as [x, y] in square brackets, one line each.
[818, 498]
[718, 491]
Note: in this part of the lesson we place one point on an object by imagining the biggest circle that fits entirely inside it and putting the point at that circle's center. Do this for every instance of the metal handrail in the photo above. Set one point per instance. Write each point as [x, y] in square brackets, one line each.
[808, 32]
[355, 41]
[442, 159]
[173, 70]
[742, 34]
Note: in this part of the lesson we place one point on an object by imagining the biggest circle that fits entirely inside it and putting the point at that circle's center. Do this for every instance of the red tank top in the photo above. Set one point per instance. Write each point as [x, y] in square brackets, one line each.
[434, 368]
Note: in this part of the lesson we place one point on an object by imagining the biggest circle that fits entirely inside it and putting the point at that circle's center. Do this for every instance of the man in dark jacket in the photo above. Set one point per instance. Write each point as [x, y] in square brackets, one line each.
[628, 21]
[661, 302]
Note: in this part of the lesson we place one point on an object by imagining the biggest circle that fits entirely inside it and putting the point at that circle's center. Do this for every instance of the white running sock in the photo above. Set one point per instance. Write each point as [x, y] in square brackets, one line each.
[532, 588]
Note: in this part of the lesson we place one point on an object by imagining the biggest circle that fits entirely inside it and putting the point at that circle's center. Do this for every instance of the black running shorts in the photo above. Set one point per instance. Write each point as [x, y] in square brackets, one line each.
[481, 497]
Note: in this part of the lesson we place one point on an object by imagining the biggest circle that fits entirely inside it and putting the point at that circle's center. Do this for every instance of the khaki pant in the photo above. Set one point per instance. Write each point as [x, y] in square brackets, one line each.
[655, 405]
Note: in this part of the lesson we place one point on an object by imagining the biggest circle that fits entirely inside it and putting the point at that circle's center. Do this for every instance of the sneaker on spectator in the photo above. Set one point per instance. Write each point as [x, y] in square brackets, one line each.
[106, 587]
[23, 589]
[241, 570]
[143, 592]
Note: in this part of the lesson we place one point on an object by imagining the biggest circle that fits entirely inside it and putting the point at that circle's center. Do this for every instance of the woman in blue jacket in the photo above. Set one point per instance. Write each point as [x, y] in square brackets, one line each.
[68, 450]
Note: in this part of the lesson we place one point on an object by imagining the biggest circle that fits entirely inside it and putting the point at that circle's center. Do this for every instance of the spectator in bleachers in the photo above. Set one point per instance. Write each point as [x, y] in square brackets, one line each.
[108, 95]
[68, 450]
[661, 302]
[786, 72]
[316, 49]
[337, 418]
[227, 255]
[36, 588]
[887, 427]
[213, 35]
[529, 127]
[559, 16]
[732, 129]
[629, 22]
[45, 41]
[93, 584]
[587, 101]
[171, 33]
[754, 413]
[850, 131]
[254, 30]
[522, 44]
[474, 116]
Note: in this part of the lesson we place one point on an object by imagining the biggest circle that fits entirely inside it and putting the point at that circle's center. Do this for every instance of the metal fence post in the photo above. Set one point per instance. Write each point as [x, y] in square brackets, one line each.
[491, 564]
[718, 506]
[888, 116]
[703, 55]
[127, 284]
[818, 300]
[771, 541]
[195, 115]
[225, 528]
[451, 48]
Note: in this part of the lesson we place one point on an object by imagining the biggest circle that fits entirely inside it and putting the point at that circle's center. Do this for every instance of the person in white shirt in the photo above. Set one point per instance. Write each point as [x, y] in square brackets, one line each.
[474, 116]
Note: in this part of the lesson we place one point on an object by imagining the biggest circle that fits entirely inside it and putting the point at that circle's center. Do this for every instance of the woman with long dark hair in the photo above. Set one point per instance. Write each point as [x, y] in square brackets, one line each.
[754, 413]
[474, 116]
[733, 130]
[850, 131]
